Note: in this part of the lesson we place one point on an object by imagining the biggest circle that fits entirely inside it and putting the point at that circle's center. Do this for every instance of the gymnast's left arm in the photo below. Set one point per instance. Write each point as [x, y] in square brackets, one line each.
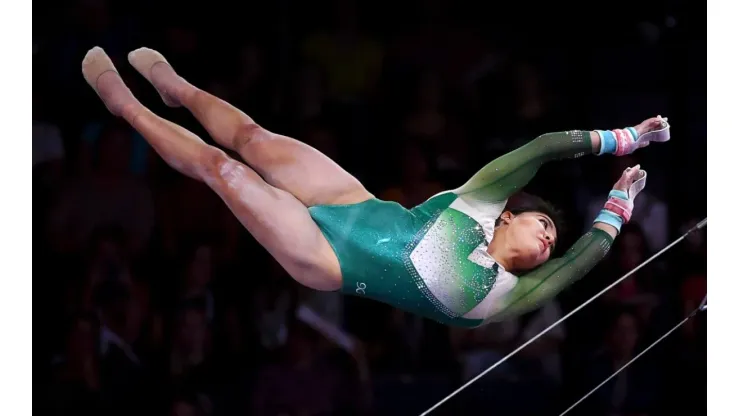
[536, 287]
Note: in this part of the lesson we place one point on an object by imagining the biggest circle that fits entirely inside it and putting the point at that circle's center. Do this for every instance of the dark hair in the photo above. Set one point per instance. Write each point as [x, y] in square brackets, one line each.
[524, 202]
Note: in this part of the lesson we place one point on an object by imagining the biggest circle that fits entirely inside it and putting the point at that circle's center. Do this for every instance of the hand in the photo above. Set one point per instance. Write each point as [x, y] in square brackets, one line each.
[654, 129]
[629, 176]
[632, 182]
[653, 123]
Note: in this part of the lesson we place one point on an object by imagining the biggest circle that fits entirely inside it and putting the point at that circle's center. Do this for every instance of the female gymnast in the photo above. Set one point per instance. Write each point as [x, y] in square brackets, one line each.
[462, 258]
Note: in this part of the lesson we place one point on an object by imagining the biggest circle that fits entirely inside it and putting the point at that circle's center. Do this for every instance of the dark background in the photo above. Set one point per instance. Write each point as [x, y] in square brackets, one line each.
[150, 298]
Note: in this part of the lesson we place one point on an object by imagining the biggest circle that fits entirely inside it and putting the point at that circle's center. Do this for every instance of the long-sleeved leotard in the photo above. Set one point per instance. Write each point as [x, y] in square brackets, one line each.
[432, 260]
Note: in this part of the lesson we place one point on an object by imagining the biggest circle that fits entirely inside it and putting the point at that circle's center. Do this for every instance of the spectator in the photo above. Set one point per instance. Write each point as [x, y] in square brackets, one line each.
[632, 391]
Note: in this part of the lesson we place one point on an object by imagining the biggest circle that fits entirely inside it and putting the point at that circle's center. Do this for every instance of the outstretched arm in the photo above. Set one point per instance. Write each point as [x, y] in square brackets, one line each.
[536, 287]
[508, 174]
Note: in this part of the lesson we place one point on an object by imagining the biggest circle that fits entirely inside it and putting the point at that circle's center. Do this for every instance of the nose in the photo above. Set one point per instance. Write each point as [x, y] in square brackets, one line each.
[549, 239]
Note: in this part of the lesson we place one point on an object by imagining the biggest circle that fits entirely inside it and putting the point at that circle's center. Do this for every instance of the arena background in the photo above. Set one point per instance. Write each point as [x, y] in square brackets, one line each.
[150, 298]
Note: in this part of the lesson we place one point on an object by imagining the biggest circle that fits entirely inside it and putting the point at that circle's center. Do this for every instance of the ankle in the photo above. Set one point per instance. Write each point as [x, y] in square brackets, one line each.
[131, 111]
[165, 78]
[187, 93]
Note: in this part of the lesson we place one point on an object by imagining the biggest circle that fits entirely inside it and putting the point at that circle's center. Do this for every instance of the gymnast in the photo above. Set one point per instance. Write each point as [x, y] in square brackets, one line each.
[465, 257]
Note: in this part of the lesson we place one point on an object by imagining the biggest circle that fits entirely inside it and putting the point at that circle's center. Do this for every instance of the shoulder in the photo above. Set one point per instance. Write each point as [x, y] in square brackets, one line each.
[492, 307]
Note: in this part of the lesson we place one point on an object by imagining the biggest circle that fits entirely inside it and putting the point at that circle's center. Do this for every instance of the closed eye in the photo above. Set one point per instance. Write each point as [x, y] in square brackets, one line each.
[546, 224]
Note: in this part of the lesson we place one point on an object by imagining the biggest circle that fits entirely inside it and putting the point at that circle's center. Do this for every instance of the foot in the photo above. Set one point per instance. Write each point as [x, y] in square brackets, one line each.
[154, 67]
[101, 75]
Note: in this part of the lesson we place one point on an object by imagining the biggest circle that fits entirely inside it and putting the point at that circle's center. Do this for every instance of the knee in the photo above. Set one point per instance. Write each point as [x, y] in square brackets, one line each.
[212, 159]
[248, 132]
[217, 166]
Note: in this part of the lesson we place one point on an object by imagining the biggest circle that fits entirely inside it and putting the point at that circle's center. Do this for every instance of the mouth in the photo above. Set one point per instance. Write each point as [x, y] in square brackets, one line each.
[543, 246]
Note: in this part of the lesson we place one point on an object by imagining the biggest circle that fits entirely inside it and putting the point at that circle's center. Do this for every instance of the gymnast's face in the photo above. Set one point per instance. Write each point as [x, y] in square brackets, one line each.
[530, 238]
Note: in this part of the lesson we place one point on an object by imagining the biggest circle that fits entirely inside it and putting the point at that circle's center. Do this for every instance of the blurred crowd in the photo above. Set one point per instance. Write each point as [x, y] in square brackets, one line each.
[151, 298]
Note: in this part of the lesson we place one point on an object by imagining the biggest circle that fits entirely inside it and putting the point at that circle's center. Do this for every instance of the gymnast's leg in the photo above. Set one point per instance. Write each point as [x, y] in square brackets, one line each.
[275, 218]
[284, 162]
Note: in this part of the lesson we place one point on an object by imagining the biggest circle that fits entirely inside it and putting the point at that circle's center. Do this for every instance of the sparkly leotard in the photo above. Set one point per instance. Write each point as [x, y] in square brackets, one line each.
[432, 260]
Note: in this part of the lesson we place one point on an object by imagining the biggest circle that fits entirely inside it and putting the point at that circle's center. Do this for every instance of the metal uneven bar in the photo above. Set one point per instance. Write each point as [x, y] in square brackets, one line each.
[697, 227]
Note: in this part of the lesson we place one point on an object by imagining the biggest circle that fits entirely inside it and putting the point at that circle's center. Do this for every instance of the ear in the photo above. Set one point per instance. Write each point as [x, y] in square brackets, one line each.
[506, 217]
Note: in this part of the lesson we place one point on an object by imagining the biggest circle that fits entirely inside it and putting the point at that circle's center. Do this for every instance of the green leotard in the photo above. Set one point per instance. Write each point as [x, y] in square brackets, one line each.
[432, 260]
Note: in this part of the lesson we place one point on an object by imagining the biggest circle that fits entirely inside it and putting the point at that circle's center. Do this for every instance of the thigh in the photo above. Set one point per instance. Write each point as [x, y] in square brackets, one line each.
[279, 222]
[295, 167]
[283, 162]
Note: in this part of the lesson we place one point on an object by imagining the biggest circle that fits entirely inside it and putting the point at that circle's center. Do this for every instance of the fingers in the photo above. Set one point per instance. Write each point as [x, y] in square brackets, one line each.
[636, 174]
[632, 174]
[632, 170]
[629, 177]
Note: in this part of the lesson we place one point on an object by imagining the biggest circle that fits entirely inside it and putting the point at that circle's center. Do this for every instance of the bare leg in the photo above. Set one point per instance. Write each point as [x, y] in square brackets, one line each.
[286, 163]
[276, 219]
